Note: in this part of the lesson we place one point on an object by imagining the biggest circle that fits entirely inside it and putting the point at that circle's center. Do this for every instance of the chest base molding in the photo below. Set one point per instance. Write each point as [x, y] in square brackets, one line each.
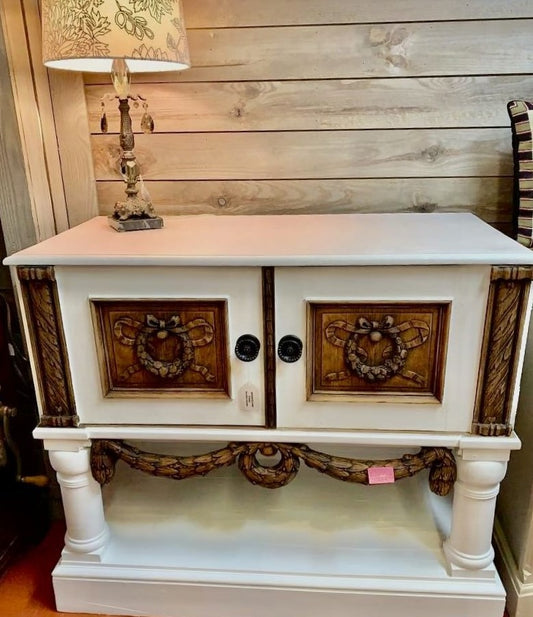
[311, 547]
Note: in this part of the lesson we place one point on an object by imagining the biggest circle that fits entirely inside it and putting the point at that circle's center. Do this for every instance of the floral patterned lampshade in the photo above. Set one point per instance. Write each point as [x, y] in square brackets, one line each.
[89, 35]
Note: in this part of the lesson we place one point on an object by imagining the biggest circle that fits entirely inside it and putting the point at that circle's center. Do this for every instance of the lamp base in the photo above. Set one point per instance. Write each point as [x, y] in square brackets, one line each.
[135, 224]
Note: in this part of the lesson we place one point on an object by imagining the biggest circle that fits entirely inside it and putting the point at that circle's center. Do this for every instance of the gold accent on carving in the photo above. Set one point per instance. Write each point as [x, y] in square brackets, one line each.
[504, 327]
[105, 453]
[162, 347]
[511, 273]
[491, 429]
[380, 348]
[36, 273]
[51, 358]
[150, 328]
[394, 355]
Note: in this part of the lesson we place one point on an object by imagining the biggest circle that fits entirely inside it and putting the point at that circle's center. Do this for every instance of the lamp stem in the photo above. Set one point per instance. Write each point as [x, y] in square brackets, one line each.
[128, 163]
[134, 213]
[127, 139]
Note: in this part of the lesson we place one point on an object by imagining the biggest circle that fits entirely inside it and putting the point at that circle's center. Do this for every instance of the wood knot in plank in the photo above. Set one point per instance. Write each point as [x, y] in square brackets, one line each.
[397, 61]
[378, 36]
[237, 111]
[432, 153]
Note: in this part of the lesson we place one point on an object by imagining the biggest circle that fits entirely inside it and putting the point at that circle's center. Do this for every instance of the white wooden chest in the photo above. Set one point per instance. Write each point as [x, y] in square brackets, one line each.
[363, 347]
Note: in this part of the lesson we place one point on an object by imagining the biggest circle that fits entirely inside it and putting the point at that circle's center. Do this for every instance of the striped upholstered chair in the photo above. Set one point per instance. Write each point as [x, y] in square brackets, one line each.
[521, 114]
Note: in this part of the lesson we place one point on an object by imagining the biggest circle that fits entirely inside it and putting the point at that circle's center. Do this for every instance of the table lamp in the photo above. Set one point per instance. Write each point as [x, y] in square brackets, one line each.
[119, 37]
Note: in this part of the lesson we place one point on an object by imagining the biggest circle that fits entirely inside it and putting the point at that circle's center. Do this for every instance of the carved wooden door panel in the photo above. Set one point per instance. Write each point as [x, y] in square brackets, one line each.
[383, 348]
[154, 348]
[157, 345]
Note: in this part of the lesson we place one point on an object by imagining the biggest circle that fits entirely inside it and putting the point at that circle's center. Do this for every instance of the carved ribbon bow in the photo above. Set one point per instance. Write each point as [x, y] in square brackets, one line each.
[385, 326]
[394, 355]
[163, 328]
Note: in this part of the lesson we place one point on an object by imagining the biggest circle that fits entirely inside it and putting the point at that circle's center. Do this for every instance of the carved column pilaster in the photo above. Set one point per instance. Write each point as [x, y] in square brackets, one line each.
[477, 486]
[87, 530]
[500, 356]
[39, 291]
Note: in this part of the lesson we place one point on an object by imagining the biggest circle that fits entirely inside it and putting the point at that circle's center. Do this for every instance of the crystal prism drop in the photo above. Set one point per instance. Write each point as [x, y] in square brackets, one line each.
[147, 123]
[120, 76]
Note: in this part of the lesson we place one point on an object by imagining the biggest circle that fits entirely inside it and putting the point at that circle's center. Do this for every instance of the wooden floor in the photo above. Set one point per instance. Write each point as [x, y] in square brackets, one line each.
[26, 588]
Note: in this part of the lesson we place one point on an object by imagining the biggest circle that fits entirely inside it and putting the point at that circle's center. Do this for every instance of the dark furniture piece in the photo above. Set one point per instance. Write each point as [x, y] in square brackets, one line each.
[23, 483]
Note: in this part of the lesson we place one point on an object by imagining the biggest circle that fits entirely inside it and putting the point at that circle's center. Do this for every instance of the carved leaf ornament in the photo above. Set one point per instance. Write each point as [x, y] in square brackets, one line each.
[394, 356]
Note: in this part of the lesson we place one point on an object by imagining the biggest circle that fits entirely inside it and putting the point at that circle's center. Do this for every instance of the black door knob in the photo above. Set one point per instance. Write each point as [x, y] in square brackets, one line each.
[290, 348]
[247, 347]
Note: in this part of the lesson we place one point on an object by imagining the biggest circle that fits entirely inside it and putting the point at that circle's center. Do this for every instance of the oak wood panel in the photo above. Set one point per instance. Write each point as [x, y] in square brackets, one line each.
[321, 104]
[300, 155]
[393, 349]
[51, 163]
[162, 347]
[72, 128]
[351, 51]
[243, 124]
[15, 204]
[489, 198]
[233, 13]
[27, 115]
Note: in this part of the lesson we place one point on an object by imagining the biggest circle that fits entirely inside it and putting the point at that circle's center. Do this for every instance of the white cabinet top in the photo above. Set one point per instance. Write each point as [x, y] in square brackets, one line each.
[291, 240]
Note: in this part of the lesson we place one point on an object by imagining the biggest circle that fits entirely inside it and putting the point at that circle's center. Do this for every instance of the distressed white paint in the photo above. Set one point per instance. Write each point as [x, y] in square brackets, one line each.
[87, 531]
[478, 483]
[289, 240]
[220, 545]
[465, 288]
[464, 442]
[240, 288]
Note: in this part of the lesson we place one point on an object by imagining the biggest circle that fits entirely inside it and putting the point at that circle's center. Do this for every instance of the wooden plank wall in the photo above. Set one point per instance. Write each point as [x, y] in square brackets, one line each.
[16, 213]
[300, 106]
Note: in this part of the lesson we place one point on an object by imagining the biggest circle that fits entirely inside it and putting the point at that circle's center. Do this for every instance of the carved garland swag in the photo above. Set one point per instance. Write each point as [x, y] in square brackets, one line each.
[105, 454]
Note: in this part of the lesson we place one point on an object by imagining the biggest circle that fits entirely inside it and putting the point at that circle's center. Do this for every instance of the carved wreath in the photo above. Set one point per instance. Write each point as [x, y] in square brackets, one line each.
[153, 327]
[394, 356]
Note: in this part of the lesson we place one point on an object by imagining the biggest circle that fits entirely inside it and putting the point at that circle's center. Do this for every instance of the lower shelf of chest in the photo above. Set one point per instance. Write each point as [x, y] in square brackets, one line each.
[215, 545]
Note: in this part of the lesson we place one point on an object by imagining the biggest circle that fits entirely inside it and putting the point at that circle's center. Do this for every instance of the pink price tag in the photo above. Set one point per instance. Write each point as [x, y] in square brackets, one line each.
[380, 475]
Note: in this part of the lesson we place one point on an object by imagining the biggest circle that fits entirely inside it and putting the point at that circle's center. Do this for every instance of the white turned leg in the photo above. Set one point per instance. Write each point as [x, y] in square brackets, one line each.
[82, 502]
[478, 483]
